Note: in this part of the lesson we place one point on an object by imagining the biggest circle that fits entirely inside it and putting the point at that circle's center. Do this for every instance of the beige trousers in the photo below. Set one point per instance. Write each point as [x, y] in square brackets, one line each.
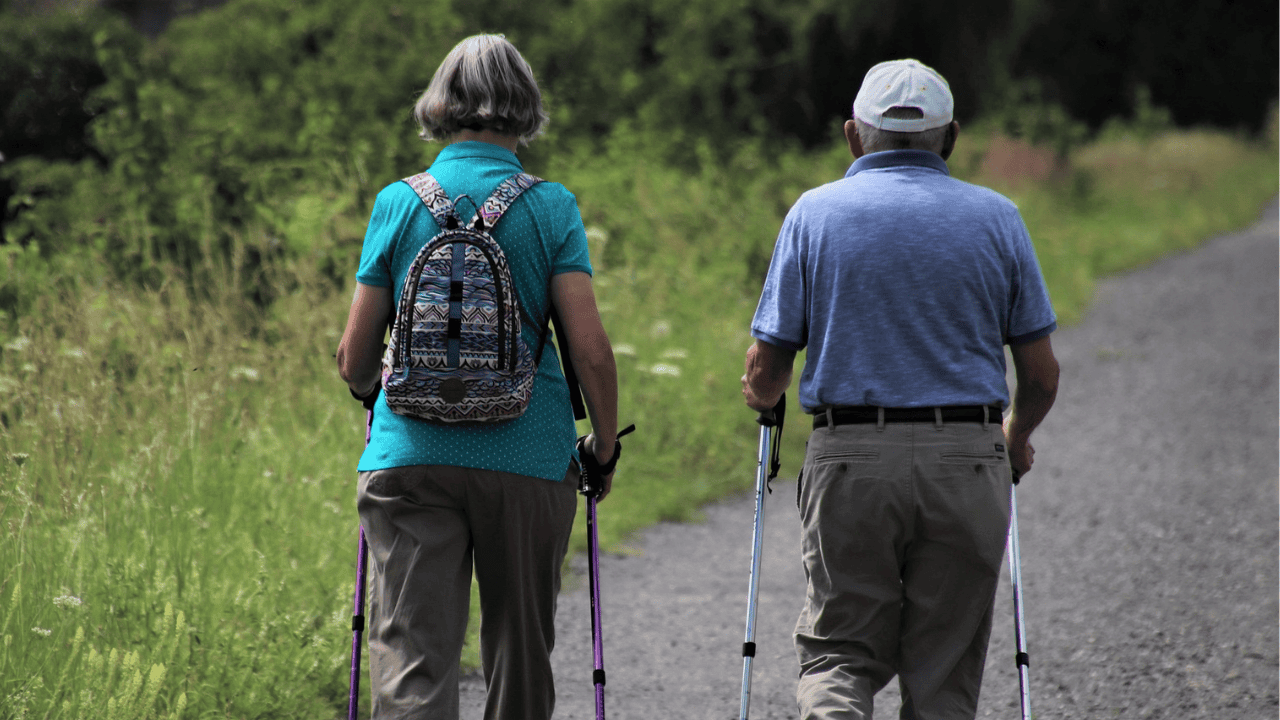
[904, 531]
[427, 526]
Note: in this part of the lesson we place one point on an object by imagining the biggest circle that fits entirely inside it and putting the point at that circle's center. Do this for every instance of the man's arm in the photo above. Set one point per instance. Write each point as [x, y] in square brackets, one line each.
[1036, 369]
[768, 374]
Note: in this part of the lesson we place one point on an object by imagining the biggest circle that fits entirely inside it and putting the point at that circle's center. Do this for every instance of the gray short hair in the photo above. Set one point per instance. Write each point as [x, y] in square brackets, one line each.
[483, 84]
[876, 140]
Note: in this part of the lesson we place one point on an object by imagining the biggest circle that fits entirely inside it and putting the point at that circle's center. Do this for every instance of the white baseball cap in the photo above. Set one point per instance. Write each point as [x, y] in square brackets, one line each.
[904, 83]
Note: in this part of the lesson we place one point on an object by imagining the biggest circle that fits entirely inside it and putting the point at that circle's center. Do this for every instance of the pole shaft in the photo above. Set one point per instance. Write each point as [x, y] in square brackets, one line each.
[1019, 612]
[357, 630]
[757, 546]
[353, 699]
[593, 570]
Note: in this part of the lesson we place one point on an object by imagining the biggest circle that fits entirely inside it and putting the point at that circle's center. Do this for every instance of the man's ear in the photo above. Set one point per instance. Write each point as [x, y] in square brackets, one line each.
[855, 142]
[949, 142]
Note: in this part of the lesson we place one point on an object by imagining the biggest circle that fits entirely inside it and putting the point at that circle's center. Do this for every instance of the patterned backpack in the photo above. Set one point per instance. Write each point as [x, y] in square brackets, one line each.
[456, 354]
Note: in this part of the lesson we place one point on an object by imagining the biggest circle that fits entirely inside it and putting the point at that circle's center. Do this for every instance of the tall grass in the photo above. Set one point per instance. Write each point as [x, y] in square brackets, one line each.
[179, 482]
[176, 470]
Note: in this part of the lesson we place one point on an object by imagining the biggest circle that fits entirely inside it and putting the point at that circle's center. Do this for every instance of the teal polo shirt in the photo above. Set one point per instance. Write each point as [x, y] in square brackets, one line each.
[542, 236]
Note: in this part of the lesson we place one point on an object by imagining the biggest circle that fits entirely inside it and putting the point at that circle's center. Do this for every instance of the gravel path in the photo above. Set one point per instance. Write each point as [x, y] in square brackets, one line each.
[1149, 534]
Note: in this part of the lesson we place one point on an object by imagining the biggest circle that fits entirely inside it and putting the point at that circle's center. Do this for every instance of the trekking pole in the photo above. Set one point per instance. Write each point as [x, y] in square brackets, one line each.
[766, 470]
[590, 483]
[1019, 614]
[357, 615]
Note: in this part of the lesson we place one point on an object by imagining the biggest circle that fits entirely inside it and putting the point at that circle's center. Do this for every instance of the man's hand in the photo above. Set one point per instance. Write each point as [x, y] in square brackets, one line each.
[1021, 454]
[753, 401]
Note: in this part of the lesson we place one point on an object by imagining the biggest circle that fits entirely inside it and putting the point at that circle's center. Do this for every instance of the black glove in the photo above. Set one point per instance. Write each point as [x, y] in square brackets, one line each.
[368, 400]
[593, 473]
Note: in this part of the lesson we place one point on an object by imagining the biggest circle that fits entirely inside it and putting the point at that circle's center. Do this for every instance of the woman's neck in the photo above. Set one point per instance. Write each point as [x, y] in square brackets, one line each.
[509, 142]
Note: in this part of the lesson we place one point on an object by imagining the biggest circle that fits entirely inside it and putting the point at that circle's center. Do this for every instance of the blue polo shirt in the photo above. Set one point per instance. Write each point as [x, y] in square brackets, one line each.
[904, 284]
[541, 235]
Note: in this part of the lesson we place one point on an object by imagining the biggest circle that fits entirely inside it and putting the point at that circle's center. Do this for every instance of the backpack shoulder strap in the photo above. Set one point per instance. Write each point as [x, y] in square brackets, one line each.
[432, 195]
[566, 362]
[488, 214]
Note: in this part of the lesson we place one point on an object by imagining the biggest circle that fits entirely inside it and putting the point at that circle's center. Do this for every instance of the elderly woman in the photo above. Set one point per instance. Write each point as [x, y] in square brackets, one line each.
[436, 500]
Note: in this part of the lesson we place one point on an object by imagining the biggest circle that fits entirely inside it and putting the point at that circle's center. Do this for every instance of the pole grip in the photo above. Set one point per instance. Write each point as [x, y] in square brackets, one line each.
[591, 473]
[773, 418]
[774, 415]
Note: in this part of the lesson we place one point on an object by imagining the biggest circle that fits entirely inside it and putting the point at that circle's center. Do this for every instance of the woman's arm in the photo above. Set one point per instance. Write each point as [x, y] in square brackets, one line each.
[592, 358]
[360, 350]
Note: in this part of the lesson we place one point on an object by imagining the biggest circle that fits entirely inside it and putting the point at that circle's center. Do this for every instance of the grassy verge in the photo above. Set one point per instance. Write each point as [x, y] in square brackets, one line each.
[176, 476]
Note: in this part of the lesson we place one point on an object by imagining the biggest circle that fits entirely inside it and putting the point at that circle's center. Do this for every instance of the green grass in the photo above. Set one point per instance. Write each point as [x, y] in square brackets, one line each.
[176, 476]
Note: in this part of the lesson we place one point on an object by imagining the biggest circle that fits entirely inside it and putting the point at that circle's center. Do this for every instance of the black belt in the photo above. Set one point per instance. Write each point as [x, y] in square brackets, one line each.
[869, 414]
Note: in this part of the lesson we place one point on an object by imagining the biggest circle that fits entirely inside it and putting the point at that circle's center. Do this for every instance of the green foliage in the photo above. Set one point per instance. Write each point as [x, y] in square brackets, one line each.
[47, 70]
[175, 470]
[250, 127]
[1026, 114]
[1146, 123]
[710, 72]
[1206, 62]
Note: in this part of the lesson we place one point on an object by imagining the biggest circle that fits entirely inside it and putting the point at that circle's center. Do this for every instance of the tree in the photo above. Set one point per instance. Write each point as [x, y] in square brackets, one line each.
[1208, 61]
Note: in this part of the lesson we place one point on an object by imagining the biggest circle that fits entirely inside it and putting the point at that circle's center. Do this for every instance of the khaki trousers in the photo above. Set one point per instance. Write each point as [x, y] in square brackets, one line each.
[426, 527]
[904, 531]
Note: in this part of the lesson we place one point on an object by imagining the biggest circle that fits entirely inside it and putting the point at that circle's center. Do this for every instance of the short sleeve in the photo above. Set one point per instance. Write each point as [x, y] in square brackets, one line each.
[1031, 315]
[571, 255]
[379, 242]
[781, 317]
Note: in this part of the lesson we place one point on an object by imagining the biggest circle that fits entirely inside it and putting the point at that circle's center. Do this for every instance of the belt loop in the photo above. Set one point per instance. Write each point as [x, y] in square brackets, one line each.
[879, 419]
[831, 421]
[986, 413]
[937, 418]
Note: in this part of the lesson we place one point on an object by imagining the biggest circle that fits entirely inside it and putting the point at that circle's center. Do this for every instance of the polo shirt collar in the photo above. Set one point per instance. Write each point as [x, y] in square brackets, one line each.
[898, 158]
[472, 150]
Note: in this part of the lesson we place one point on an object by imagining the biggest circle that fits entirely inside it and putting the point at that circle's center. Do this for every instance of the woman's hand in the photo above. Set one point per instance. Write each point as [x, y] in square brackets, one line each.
[596, 447]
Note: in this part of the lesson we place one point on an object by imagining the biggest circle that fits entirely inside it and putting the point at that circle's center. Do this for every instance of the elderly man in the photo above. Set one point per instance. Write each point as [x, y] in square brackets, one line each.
[904, 284]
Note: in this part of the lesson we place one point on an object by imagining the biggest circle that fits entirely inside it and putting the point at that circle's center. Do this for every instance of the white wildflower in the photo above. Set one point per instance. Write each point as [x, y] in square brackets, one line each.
[597, 234]
[41, 631]
[244, 373]
[660, 329]
[624, 349]
[18, 344]
[665, 369]
[66, 601]
[675, 354]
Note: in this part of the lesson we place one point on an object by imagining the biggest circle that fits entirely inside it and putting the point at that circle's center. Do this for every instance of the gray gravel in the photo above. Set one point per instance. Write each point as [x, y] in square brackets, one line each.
[1149, 534]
